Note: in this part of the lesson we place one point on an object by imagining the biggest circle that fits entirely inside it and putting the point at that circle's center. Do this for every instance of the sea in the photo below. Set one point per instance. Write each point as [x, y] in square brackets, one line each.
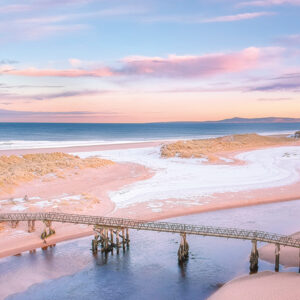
[48, 135]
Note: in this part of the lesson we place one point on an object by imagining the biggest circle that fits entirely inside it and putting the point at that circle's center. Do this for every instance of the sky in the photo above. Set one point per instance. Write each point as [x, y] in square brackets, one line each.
[148, 61]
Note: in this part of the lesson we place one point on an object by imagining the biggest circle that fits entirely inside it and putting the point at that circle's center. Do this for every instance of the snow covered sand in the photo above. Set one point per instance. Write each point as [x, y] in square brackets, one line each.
[197, 182]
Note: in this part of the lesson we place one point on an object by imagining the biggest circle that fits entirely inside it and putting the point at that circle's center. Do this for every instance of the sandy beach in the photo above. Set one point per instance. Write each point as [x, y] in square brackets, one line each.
[141, 184]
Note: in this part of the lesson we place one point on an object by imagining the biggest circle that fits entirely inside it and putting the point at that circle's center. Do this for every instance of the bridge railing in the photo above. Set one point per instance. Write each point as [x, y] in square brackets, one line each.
[234, 233]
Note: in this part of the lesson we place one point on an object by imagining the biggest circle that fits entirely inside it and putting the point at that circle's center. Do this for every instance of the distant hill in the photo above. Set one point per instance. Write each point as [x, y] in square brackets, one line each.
[259, 120]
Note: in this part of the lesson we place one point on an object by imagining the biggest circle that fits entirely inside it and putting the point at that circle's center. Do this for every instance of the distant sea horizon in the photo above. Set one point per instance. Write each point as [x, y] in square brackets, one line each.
[51, 135]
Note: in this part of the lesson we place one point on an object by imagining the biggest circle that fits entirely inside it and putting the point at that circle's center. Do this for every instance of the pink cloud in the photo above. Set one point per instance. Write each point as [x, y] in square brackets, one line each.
[171, 66]
[200, 66]
[33, 72]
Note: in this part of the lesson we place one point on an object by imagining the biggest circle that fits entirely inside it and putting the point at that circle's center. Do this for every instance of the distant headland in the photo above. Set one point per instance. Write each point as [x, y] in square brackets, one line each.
[258, 120]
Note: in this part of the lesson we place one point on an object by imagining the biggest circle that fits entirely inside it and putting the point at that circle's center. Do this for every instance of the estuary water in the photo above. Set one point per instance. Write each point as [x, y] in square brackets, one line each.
[149, 269]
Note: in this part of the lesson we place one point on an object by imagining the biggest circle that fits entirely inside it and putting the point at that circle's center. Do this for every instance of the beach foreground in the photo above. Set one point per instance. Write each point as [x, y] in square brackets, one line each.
[134, 181]
[261, 286]
[138, 181]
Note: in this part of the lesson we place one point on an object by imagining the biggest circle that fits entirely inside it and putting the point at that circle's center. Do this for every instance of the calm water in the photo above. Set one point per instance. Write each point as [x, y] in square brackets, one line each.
[149, 270]
[124, 132]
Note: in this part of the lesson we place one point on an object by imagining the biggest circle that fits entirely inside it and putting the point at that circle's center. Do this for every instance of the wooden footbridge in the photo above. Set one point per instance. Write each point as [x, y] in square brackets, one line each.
[119, 228]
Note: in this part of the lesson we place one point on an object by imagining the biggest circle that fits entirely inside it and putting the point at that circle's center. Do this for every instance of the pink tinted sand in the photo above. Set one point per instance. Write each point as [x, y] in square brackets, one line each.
[83, 148]
[261, 286]
[95, 182]
[100, 182]
[289, 256]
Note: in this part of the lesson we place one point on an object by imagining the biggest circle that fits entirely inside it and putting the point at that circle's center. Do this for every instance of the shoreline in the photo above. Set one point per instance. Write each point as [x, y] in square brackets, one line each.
[124, 174]
[227, 200]
[67, 236]
[91, 148]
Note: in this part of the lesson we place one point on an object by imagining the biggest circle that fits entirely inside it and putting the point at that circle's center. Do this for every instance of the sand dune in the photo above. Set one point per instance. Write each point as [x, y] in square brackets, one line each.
[17, 169]
[209, 148]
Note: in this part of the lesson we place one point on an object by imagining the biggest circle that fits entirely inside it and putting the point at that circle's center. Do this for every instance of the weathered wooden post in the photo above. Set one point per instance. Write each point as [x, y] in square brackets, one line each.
[101, 232]
[117, 240]
[254, 258]
[123, 238]
[95, 244]
[48, 225]
[127, 237]
[31, 226]
[106, 240]
[14, 224]
[277, 253]
[183, 251]
[299, 260]
[112, 241]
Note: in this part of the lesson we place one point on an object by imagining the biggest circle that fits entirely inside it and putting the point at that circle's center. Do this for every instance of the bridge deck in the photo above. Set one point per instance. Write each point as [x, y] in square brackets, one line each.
[110, 222]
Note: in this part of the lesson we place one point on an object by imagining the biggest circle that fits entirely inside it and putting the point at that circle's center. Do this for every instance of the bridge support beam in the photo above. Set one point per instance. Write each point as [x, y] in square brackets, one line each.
[107, 241]
[299, 260]
[123, 238]
[48, 230]
[31, 226]
[117, 240]
[95, 244]
[127, 237]
[183, 251]
[254, 258]
[277, 253]
[14, 224]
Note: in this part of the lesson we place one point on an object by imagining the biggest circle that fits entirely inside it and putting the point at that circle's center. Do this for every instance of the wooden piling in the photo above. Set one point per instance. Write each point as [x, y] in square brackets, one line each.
[183, 251]
[277, 253]
[117, 240]
[299, 260]
[127, 237]
[254, 258]
[123, 238]
[31, 226]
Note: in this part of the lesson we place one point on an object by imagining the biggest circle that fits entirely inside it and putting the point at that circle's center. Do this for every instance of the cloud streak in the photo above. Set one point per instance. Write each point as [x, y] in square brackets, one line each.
[7, 114]
[287, 82]
[40, 97]
[172, 66]
[238, 17]
[289, 40]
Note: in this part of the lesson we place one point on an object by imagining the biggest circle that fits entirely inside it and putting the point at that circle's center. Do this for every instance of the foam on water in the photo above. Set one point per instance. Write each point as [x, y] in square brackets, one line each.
[19, 144]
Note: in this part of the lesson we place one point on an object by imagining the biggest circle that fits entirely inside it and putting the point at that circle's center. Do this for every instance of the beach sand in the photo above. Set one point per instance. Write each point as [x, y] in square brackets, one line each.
[89, 191]
[261, 286]
[84, 192]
